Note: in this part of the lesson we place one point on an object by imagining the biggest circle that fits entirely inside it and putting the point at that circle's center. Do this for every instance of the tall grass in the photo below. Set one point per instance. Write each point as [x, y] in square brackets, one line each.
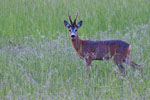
[37, 60]
[20, 18]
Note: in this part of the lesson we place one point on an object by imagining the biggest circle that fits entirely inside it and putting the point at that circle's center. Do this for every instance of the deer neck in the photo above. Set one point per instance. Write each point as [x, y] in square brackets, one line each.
[77, 43]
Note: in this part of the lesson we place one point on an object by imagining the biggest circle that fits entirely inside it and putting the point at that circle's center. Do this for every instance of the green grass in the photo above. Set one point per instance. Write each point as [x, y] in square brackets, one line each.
[37, 59]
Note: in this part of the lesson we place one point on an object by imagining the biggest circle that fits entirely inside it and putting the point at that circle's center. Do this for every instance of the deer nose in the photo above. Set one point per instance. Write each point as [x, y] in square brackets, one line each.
[72, 36]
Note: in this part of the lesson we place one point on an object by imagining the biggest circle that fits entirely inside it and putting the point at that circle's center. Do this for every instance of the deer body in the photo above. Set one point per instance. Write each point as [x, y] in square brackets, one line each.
[88, 50]
[100, 50]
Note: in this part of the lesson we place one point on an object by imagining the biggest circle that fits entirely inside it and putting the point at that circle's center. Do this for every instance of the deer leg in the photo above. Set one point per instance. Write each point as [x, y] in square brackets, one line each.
[121, 68]
[118, 61]
[133, 64]
[88, 64]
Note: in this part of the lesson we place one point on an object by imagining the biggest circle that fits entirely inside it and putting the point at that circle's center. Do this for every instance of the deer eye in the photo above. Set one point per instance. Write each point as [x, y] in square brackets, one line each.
[75, 30]
[69, 30]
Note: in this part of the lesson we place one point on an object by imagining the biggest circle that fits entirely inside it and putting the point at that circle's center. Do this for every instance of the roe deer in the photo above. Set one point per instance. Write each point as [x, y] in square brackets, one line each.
[88, 50]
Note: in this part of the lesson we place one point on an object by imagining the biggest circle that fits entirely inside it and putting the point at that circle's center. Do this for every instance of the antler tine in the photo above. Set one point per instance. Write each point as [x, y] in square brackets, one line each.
[75, 18]
[69, 17]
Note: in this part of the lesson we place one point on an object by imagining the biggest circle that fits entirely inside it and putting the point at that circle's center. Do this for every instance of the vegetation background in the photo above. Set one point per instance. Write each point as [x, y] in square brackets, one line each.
[38, 62]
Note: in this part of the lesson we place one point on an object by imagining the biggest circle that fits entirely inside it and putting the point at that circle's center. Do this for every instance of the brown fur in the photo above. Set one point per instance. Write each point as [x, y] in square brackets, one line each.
[117, 50]
[88, 50]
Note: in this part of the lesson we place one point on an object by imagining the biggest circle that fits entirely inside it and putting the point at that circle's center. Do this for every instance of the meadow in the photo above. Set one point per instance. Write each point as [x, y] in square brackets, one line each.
[38, 61]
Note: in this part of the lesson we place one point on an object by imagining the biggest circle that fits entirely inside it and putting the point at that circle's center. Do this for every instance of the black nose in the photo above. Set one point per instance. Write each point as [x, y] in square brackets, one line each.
[72, 36]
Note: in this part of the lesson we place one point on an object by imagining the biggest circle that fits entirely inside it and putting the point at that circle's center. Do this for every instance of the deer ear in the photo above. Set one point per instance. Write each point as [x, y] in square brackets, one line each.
[66, 24]
[79, 24]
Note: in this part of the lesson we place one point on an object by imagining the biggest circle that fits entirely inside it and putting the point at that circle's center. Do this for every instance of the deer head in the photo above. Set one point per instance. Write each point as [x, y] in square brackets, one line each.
[73, 27]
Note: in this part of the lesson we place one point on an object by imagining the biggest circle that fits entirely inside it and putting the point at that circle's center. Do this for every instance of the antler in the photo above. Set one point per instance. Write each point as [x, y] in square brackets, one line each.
[75, 18]
[70, 18]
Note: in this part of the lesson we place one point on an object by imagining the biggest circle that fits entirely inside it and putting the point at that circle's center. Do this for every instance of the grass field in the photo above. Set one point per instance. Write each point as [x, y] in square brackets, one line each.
[38, 62]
